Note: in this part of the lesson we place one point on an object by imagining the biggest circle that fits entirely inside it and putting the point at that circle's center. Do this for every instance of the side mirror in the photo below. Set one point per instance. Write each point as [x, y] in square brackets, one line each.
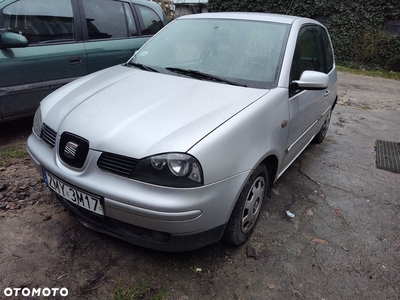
[12, 40]
[311, 80]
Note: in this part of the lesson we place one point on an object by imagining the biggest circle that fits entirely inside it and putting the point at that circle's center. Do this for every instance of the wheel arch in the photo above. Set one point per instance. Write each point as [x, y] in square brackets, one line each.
[271, 163]
[335, 102]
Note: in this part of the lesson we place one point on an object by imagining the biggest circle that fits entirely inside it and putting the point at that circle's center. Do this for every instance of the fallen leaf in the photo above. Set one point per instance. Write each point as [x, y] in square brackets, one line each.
[276, 192]
[46, 218]
[319, 241]
[251, 251]
[266, 257]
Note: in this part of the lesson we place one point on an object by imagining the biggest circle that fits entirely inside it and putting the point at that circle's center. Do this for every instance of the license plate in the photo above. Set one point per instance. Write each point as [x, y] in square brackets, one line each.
[73, 195]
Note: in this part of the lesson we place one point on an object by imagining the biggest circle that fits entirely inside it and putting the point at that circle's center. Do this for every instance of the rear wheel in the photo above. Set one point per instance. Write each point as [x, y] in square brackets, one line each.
[247, 209]
[322, 133]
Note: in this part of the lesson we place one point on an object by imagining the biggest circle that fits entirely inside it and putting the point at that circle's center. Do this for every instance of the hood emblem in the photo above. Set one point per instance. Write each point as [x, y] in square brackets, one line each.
[70, 150]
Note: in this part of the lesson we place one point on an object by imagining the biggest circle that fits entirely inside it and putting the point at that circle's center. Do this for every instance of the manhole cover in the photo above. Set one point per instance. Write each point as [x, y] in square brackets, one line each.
[388, 156]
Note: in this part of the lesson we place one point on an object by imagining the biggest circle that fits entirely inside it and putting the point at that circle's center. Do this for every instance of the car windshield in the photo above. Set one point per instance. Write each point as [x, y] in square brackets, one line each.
[240, 52]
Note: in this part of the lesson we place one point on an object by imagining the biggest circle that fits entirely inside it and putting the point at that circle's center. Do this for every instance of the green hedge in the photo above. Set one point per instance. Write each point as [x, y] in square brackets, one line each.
[356, 26]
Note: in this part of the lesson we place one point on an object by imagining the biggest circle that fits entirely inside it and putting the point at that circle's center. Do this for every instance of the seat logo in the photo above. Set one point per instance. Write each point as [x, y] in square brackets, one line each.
[70, 150]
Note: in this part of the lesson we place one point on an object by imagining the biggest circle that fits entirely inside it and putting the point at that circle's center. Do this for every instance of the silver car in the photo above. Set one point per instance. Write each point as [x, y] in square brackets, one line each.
[176, 149]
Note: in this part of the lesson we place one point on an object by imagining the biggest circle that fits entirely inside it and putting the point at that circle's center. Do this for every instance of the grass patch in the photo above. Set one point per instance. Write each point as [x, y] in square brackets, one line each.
[140, 291]
[366, 108]
[373, 73]
[186, 266]
[9, 153]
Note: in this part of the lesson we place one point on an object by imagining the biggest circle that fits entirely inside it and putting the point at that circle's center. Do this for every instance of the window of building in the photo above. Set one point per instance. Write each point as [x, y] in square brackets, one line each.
[392, 27]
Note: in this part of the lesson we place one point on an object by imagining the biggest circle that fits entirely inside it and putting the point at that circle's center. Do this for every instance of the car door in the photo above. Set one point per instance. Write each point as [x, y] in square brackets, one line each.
[54, 55]
[306, 106]
[112, 33]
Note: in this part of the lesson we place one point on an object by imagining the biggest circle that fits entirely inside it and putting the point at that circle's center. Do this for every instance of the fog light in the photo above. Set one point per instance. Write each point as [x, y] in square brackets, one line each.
[160, 236]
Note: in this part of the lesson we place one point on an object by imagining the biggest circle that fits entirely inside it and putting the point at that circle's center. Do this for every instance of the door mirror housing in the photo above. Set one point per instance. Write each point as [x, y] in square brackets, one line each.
[12, 40]
[311, 80]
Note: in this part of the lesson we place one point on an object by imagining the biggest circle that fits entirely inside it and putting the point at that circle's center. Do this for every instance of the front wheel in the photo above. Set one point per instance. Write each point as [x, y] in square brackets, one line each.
[247, 209]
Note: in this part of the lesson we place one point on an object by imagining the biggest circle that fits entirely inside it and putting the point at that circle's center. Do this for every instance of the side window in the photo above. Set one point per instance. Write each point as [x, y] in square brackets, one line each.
[309, 52]
[40, 21]
[151, 21]
[109, 19]
[328, 50]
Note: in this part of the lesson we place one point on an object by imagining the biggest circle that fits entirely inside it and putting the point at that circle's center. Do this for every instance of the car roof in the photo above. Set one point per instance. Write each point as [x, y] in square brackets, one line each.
[144, 2]
[255, 16]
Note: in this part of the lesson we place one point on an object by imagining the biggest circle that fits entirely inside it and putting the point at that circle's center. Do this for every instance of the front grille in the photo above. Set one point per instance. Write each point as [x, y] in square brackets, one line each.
[73, 149]
[48, 135]
[116, 164]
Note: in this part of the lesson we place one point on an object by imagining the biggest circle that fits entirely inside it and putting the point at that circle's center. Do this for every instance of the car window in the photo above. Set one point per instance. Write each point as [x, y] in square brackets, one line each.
[328, 50]
[40, 21]
[309, 52]
[151, 21]
[109, 19]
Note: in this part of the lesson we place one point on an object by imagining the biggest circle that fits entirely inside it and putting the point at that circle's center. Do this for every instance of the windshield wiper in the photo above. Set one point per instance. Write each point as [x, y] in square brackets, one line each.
[201, 75]
[143, 67]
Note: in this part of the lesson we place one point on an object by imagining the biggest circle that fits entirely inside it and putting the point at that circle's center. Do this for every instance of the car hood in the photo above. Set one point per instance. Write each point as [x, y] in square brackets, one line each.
[139, 113]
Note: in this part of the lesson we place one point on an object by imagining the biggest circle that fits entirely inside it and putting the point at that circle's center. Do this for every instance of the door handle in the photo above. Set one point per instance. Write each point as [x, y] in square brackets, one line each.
[326, 93]
[75, 60]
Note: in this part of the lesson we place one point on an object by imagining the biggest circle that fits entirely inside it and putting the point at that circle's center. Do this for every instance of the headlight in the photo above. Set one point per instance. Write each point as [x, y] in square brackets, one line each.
[37, 123]
[172, 169]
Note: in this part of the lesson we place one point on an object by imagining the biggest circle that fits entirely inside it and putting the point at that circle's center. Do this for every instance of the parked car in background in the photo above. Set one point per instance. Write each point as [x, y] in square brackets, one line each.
[45, 44]
[173, 152]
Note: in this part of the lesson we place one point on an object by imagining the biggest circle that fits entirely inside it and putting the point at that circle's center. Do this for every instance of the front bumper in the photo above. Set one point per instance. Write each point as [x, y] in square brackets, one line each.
[142, 236]
[163, 218]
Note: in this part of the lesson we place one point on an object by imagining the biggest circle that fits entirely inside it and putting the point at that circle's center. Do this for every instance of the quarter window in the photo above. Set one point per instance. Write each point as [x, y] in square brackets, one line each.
[109, 19]
[40, 21]
[151, 21]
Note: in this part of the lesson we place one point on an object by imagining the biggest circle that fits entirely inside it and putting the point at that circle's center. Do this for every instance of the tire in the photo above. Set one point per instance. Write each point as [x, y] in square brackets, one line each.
[322, 133]
[247, 208]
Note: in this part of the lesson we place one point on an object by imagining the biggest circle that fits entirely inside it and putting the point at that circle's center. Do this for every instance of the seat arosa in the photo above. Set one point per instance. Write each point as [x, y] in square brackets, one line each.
[176, 149]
